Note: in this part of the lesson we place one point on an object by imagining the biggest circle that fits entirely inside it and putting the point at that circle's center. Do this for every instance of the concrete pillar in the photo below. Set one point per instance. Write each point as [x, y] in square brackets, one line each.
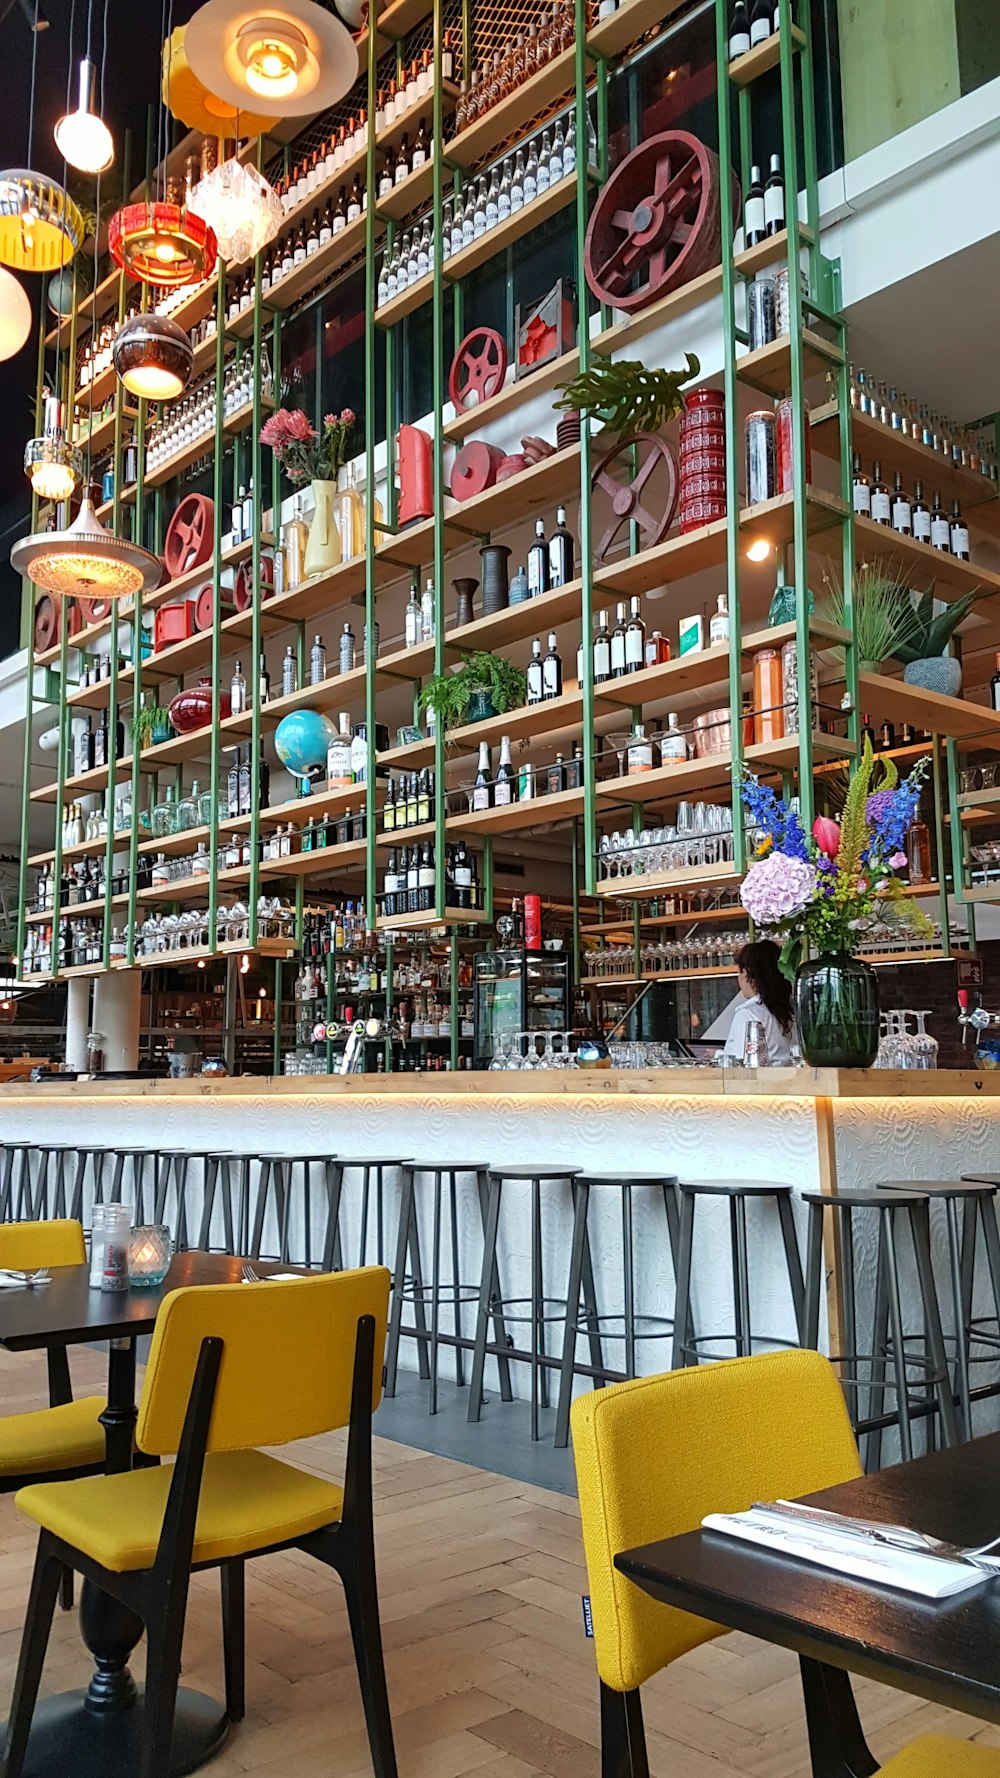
[117, 1003]
[77, 1021]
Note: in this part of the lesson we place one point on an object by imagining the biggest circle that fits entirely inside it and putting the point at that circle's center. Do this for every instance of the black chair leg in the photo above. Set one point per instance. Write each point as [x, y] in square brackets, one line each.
[361, 1592]
[66, 1590]
[233, 1575]
[836, 1743]
[37, 1625]
[623, 1739]
[164, 1636]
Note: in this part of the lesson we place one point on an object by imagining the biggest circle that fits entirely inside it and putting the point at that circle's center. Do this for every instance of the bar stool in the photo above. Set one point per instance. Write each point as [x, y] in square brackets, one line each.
[687, 1346]
[634, 1327]
[16, 1187]
[495, 1307]
[976, 1198]
[279, 1175]
[169, 1199]
[410, 1285]
[234, 1194]
[369, 1166]
[137, 1156]
[889, 1345]
[94, 1157]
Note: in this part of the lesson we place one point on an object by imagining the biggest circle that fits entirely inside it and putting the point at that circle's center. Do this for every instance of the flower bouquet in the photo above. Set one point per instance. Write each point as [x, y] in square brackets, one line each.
[828, 889]
[306, 455]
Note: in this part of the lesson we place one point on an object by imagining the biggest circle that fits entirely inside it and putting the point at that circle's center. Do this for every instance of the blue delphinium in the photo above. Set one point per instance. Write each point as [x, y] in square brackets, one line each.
[772, 814]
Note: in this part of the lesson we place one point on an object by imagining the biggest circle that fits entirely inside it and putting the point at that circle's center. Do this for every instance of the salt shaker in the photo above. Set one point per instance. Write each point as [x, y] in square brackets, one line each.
[754, 1046]
[110, 1227]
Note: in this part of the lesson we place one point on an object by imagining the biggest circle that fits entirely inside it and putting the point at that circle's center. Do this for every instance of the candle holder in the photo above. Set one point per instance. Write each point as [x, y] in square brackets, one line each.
[149, 1254]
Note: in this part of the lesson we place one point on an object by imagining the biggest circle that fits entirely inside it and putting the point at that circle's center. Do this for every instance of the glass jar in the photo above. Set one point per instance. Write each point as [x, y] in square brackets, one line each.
[769, 718]
[110, 1225]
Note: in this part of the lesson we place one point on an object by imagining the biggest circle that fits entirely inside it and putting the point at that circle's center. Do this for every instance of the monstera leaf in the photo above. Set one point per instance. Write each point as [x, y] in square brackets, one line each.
[625, 396]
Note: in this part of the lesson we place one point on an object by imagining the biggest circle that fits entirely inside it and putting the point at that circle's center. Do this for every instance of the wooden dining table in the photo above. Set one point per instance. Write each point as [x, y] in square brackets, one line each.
[97, 1733]
[946, 1651]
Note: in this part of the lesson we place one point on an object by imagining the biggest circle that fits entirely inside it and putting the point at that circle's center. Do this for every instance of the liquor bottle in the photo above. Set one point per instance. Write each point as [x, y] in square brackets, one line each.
[312, 235]
[264, 679]
[389, 806]
[347, 649]
[552, 671]
[462, 876]
[635, 638]
[338, 756]
[995, 687]
[426, 878]
[482, 792]
[503, 193]
[326, 224]
[299, 248]
[411, 631]
[505, 788]
[959, 533]
[556, 166]
[774, 193]
[560, 552]
[295, 535]
[544, 164]
[354, 202]
[639, 753]
[920, 516]
[538, 563]
[390, 883]
[517, 183]
[402, 166]
[424, 794]
[531, 174]
[881, 506]
[760, 22]
[618, 668]
[238, 691]
[100, 748]
[427, 625]
[918, 850]
[862, 490]
[232, 787]
[886, 737]
[535, 673]
[493, 201]
[85, 748]
[867, 732]
[244, 785]
[718, 627]
[479, 210]
[902, 516]
[940, 528]
[754, 219]
[602, 651]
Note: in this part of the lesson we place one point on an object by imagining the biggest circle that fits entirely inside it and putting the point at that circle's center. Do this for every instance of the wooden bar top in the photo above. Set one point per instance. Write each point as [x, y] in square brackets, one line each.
[681, 1083]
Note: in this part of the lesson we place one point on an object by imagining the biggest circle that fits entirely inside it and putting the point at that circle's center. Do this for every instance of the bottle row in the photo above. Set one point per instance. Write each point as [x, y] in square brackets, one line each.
[908, 515]
[192, 418]
[751, 23]
[963, 447]
[409, 884]
[495, 79]
[158, 935]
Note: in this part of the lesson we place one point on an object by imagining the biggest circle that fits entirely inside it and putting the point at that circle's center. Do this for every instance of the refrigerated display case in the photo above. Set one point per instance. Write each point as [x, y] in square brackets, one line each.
[518, 991]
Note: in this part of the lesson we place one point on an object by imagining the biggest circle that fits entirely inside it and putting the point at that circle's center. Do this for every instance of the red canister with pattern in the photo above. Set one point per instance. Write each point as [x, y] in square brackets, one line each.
[783, 414]
[702, 458]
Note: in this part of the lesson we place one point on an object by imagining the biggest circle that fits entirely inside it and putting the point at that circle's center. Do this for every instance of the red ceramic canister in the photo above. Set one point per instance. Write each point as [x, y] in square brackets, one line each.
[702, 458]
[783, 413]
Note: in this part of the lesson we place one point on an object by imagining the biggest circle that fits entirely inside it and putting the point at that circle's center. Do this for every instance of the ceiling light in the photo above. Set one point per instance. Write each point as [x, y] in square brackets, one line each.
[40, 226]
[243, 211]
[53, 466]
[163, 244]
[86, 560]
[153, 357]
[15, 315]
[189, 100]
[82, 137]
[759, 550]
[292, 58]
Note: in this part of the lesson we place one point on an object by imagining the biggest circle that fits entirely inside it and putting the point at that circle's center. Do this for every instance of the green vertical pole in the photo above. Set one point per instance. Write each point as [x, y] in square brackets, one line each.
[957, 836]
[731, 389]
[256, 461]
[939, 844]
[29, 685]
[453, 988]
[279, 970]
[586, 552]
[574, 964]
[371, 816]
[133, 837]
[217, 490]
[440, 798]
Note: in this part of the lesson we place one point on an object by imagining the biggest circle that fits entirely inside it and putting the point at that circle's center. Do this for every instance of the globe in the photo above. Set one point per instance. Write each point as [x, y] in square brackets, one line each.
[301, 741]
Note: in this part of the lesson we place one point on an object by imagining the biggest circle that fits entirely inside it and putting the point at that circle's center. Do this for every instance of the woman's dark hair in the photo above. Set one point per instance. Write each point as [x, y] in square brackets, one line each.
[760, 963]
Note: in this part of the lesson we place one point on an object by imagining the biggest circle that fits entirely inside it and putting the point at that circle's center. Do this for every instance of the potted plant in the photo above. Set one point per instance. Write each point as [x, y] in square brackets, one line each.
[874, 612]
[150, 725]
[484, 685]
[315, 457]
[625, 396]
[923, 638]
[827, 889]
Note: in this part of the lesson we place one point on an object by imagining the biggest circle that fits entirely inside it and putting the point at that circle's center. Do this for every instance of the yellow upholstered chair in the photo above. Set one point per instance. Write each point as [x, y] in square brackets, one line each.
[652, 1458]
[66, 1438]
[231, 1367]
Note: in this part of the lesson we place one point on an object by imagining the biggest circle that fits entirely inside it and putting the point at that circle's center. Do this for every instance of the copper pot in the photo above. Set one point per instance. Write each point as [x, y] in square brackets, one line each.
[712, 732]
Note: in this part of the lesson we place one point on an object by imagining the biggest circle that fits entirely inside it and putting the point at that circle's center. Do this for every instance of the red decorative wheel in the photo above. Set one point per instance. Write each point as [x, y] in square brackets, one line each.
[475, 469]
[94, 611]
[656, 222]
[243, 582]
[642, 489]
[477, 369]
[48, 622]
[189, 539]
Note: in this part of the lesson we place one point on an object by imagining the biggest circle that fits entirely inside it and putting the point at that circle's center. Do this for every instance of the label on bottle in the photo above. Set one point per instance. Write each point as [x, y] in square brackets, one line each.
[534, 682]
[739, 44]
[550, 679]
[463, 876]
[863, 499]
[503, 205]
[639, 757]
[718, 629]
[338, 765]
[617, 653]
[633, 648]
[502, 793]
[602, 656]
[760, 30]
[754, 219]
[959, 540]
[481, 797]
[880, 507]
[774, 206]
[922, 524]
[902, 517]
[425, 877]
[940, 531]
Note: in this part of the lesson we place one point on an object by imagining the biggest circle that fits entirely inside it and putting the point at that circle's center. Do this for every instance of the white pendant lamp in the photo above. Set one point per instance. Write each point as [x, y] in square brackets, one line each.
[82, 137]
[285, 58]
[15, 314]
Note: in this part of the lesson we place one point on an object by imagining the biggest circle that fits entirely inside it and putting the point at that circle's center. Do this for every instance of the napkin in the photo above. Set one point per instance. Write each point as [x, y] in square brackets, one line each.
[851, 1553]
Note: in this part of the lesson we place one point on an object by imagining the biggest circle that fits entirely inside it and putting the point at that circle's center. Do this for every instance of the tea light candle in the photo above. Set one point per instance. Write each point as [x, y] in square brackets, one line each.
[149, 1255]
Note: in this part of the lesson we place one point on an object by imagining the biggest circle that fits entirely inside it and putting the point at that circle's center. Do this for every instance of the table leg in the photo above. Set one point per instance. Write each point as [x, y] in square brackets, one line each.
[110, 1631]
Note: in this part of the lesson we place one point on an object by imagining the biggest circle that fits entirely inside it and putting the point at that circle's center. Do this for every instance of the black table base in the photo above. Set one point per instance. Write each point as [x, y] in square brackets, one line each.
[68, 1740]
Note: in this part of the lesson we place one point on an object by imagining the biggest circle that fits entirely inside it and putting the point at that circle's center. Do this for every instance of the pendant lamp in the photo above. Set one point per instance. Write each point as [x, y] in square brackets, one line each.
[243, 211]
[289, 58]
[153, 357]
[189, 100]
[15, 315]
[82, 137]
[52, 465]
[40, 226]
[86, 561]
[163, 244]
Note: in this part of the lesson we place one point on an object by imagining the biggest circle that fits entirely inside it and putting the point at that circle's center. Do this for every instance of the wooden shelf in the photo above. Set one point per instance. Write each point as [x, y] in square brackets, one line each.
[657, 975]
[191, 888]
[631, 20]
[696, 774]
[78, 908]
[82, 783]
[335, 252]
[769, 368]
[416, 189]
[421, 922]
[318, 863]
[874, 442]
[947, 573]
[651, 922]
[86, 849]
[538, 811]
[760, 60]
[955, 717]
[526, 103]
[203, 446]
[696, 875]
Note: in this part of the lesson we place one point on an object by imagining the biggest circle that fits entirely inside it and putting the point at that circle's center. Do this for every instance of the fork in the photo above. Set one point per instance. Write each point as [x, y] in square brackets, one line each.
[250, 1274]
[28, 1280]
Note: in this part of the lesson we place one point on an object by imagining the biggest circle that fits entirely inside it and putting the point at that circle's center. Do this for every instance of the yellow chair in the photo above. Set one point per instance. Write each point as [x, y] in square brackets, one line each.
[66, 1438]
[231, 1367]
[652, 1458]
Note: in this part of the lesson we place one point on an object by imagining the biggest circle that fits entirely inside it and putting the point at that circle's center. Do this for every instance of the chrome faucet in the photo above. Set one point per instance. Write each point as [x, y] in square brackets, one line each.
[978, 1018]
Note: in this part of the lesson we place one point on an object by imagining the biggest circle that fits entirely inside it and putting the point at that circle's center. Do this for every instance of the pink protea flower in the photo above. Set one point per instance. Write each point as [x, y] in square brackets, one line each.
[285, 427]
[347, 416]
[826, 833]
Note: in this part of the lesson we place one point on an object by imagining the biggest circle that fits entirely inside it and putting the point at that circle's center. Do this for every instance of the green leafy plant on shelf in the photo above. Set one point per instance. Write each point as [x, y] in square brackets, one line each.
[150, 723]
[625, 396]
[875, 610]
[923, 636]
[482, 677]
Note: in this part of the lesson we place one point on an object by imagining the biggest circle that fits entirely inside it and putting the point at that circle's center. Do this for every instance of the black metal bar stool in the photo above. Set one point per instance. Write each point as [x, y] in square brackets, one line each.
[425, 1292]
[976, 1198]
[16, 1186]
[169, 1203]
[541, 1309]
[634, 1327]
[927, 1371]
[137, 1157]
[227, 1180]
[372, 1169]
[280, 1175]
[687, 1348]
[94, 1157]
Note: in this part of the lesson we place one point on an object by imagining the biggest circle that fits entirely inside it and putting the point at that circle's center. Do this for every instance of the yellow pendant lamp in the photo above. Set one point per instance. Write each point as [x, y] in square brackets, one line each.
[289, 58]
[40, 226]
[189, 100]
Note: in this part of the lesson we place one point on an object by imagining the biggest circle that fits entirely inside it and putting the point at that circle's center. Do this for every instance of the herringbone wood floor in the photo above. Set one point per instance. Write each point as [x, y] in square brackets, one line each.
[489, 1670]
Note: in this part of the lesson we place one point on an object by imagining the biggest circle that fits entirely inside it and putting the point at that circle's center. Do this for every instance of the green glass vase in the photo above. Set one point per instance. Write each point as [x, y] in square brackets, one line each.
[836, 1011]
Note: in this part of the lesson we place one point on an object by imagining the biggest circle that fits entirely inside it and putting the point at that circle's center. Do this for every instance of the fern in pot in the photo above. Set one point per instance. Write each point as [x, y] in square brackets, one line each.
[484, 685]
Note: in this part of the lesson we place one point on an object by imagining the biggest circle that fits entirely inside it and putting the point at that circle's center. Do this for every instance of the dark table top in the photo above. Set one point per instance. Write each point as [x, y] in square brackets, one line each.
[66, 1311]
[947, 1651]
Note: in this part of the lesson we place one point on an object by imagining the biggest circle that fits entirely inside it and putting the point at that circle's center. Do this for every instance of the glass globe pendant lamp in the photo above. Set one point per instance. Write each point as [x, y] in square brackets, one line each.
[86, 561]
[153, 357]
[162, 243]
[52, 465]
[15, 315]
[82, 136]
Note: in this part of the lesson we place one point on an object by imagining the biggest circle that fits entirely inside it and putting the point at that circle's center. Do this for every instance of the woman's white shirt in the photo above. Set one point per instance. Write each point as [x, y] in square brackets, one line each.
[777, 1041]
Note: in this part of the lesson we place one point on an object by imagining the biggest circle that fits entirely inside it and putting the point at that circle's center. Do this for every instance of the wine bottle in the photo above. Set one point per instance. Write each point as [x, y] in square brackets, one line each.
[618, 668]
[940, 528]
[238, 691]
[505, 788]
[902, 517]
[560, 552]
[552, 671]
[538, 563]
[535, 673]
[263, 680]
[862, 490]
[739, 31]
[754, 219]
[482, 793]
[881, 508]
[959, 533]
[760, 22]
[774, 192]
[635, 638]
[602, 651]
[920, 516]
[995, 687]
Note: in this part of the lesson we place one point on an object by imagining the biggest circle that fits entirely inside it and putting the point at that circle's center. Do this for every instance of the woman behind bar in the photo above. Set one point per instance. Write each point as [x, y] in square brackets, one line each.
[767, 997]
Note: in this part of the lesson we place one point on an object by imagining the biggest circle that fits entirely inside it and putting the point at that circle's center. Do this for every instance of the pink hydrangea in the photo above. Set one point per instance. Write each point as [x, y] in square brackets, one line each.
[776, 888]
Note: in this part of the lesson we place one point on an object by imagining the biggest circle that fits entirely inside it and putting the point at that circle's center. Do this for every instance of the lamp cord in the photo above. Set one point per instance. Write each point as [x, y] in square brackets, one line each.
[34, 65]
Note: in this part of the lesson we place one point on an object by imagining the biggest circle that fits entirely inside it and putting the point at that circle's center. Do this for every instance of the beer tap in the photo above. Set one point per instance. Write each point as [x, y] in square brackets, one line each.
[978, 1018]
